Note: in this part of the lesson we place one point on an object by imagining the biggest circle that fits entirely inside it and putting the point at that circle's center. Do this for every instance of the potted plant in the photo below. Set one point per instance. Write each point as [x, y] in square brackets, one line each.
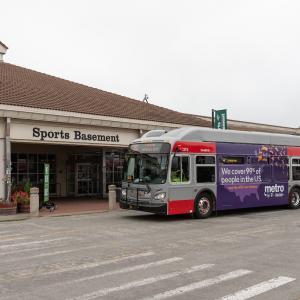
[23, 201]
[8, 208]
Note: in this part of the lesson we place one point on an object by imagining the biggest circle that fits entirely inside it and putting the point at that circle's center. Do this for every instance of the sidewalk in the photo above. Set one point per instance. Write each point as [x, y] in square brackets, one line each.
[67, 207]
[76, 206]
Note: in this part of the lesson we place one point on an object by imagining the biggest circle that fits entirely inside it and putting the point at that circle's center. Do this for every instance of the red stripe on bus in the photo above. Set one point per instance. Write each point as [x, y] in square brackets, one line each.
[194, 147]
[293, 151]
[177, 207]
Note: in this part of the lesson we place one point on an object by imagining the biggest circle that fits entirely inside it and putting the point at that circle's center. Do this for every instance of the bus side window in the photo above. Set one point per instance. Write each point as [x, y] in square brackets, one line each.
[185, 166]
[205, 169]
[180, 169]
[296, 173]
[296, 169]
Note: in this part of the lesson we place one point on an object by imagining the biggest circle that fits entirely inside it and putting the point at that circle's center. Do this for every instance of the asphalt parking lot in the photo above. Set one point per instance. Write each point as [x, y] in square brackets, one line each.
[134, 255]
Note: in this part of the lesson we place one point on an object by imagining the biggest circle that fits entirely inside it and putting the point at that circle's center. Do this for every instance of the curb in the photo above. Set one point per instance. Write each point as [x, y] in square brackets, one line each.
[16, 217]
[20, 217]
[77, 213]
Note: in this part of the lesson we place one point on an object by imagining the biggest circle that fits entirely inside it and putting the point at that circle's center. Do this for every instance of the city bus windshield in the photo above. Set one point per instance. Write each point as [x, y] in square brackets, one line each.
[147, 168]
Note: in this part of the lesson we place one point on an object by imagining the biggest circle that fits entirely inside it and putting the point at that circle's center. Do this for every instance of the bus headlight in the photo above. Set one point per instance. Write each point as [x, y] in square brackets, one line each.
[160, 196]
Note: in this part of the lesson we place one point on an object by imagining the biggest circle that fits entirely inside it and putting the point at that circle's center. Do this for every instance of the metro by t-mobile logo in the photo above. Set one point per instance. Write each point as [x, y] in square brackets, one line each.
[274, 190]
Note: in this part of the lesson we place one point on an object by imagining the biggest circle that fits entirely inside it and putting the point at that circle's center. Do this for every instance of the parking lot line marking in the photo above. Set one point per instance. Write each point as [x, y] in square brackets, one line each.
[14, 239]
[11, 235]
[259, 288]
[30, 249]
[125, 270]
[139, 283]
[199, 285]
[33, 243]
[48, 254]
[95, 264]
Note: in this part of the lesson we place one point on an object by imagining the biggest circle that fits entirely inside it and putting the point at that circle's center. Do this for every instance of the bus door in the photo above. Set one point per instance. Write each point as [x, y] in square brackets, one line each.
[180, 191]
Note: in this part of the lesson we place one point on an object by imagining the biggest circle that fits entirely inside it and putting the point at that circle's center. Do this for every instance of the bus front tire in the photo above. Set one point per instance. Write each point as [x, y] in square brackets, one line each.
[203, 206]
[294, 198]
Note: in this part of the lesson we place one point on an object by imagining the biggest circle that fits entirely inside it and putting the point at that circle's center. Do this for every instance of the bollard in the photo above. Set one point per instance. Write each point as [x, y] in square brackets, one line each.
[34, 202]
[112, 199]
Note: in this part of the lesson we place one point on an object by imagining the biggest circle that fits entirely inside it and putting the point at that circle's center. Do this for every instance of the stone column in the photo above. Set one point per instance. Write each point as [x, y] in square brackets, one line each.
[34, 202]
[112, 197]
[104, 194]
[7, 161]
[2, 170]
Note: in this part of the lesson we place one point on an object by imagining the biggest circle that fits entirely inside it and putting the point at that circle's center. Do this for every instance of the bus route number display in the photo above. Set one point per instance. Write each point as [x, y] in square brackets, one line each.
[151, 148]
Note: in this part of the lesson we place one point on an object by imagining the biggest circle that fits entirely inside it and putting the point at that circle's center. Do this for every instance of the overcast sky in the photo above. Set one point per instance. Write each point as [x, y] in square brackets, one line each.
[189, 56]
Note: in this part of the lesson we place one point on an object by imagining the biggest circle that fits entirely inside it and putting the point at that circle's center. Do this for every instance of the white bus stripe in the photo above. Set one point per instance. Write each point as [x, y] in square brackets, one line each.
[199, 285]
[258, 289]
[124, 270]
[139, 283]
[32, 243]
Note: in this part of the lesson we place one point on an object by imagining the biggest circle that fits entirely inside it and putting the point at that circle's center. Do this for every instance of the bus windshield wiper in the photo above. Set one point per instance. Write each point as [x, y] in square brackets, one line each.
[141, 180]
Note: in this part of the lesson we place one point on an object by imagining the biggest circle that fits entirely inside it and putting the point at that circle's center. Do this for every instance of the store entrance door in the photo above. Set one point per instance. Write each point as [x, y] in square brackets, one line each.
[87, 179]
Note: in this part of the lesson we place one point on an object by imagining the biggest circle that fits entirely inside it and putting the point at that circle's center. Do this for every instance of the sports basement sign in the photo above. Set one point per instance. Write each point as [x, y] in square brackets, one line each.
[75, 135]
[65, 135]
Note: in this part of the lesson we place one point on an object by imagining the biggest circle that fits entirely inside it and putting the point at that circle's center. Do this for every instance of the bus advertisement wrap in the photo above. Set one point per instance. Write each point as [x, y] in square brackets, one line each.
[211, 170]
[252, 183]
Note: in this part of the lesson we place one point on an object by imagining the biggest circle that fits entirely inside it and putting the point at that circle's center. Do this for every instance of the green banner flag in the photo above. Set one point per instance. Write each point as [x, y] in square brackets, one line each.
[46, 182]
[220, 119]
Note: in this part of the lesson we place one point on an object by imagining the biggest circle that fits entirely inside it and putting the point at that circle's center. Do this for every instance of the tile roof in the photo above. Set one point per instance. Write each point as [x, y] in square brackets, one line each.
[24, 87]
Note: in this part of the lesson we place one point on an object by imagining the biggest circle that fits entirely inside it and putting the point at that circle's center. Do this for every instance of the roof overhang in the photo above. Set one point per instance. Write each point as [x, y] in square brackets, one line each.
[57, 116]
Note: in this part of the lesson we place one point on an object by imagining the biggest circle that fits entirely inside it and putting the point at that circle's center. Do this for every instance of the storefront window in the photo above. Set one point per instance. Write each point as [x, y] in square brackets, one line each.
[30, 167]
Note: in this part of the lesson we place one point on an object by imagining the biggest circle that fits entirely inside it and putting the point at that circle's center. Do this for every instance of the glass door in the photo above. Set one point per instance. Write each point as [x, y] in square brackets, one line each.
[87, 182]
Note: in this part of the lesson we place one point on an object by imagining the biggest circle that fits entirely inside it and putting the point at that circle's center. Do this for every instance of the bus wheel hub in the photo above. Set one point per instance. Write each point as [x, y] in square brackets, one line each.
[295, 198]
[204, 205]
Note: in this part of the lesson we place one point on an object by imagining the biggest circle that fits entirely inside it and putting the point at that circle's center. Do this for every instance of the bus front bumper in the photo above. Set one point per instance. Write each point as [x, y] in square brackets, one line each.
[159, 208]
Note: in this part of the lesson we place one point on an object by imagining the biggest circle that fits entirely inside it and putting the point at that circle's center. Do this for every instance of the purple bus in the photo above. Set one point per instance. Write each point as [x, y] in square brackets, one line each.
[197, 171]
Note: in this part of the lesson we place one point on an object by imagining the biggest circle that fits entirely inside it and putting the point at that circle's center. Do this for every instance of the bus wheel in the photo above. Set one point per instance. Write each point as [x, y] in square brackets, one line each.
[203, 206]
[294, 198]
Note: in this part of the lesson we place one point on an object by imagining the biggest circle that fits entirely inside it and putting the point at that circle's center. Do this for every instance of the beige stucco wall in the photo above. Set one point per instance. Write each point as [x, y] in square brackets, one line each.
[24, 141]
[57, 133]
[2, 128]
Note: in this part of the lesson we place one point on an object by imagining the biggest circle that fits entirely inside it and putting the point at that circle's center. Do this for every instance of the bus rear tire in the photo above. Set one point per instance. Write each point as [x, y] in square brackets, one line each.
[203, 206]
[294, 198]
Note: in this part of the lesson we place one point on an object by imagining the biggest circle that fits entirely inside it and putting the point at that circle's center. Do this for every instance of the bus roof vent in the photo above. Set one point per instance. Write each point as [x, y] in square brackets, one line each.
[154, 133]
